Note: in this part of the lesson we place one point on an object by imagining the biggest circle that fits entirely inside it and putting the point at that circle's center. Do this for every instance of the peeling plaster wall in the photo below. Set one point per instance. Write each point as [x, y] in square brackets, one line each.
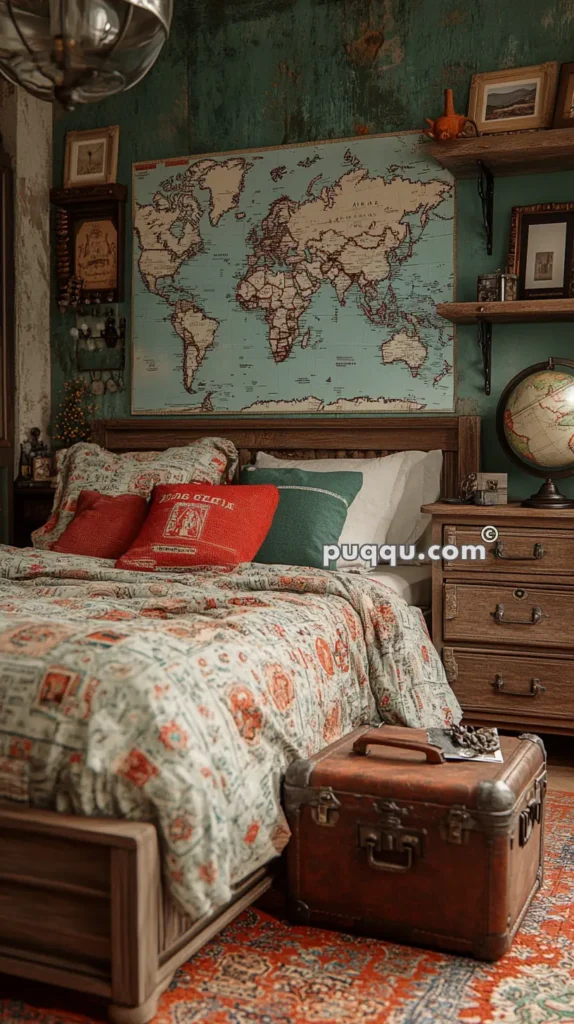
[26, 126]
[247, 73]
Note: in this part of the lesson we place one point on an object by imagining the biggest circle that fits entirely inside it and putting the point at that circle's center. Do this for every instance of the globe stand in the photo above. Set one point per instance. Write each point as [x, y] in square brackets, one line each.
[548, 497]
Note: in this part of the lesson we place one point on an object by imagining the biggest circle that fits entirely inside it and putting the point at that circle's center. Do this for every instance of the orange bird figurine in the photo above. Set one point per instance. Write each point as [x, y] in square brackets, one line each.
[449, 125]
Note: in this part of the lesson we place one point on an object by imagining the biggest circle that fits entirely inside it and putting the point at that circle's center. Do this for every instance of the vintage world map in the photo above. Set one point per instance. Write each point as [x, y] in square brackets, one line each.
[294, 279]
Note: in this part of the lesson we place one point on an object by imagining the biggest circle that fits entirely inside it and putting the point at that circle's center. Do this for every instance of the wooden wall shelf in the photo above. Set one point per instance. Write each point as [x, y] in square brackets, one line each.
[484, 158]
[515, 153]
[525, 311]
[485, 314]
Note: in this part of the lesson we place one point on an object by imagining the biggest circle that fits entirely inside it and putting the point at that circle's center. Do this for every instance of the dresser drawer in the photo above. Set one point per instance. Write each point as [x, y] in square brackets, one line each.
[511, 684]
[515, 550]
[534, 617]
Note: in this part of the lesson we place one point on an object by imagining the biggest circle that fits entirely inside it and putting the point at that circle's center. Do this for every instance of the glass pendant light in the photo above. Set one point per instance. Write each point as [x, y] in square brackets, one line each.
[80, 51]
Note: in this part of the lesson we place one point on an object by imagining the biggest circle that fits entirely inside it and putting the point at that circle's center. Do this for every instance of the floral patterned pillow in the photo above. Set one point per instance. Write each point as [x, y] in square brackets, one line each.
[212, 460]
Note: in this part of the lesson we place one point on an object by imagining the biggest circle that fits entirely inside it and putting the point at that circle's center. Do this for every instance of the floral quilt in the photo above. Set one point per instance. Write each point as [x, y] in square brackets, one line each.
[181, 699]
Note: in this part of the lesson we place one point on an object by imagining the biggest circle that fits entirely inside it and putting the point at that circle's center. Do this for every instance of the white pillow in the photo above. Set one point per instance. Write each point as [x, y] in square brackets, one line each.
[372, 511]
[387, 508]
[422, 486]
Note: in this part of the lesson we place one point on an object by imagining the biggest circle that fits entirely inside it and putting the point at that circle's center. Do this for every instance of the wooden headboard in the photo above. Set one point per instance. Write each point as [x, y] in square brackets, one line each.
[338, 438]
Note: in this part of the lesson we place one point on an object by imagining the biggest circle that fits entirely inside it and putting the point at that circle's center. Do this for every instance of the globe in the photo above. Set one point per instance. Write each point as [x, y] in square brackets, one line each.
[535, 421]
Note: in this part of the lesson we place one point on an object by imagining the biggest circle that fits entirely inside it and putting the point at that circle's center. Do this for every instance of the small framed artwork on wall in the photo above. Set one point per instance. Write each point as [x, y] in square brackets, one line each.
[89, 233]
[91, 157]
[564, 109]
[515, 99]
[540, 250]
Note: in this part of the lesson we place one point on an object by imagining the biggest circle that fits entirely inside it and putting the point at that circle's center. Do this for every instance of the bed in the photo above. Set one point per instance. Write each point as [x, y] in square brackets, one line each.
[115, 931]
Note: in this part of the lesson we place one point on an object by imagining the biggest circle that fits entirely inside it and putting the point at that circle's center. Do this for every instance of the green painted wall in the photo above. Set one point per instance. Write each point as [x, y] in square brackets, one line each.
[246, 73]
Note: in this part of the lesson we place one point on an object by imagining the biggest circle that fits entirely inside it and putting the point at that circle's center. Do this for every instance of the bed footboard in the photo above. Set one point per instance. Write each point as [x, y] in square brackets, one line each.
[81, 906]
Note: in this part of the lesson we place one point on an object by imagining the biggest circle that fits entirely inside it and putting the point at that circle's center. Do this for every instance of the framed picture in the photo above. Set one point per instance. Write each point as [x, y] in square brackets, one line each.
[41, 468]
[91, 157]
[514, 99]
[564, 109]
[90, 228]
[540, 250]
[96, 254]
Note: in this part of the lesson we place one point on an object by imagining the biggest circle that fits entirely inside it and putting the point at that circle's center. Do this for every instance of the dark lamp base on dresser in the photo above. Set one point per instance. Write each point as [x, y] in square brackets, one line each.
[504, 625]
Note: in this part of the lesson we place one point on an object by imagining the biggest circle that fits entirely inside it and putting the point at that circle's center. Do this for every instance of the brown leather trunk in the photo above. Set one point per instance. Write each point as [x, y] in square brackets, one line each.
[393, 841]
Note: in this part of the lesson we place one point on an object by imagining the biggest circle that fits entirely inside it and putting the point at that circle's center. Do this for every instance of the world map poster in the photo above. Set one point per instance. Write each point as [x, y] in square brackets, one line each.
[294, 280]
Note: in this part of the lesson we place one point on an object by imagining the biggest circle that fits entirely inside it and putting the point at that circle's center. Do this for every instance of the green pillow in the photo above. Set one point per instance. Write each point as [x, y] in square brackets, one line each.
[312, 511]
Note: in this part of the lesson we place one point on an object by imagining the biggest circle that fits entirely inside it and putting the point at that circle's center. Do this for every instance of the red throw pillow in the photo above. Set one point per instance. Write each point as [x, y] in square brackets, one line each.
[103, 526]
[202, 524]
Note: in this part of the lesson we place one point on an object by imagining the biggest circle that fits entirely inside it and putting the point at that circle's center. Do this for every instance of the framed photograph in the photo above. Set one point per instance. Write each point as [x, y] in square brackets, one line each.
[41, 468]
[91, 157]
[540, 250]
[515, 99]
[564, 109]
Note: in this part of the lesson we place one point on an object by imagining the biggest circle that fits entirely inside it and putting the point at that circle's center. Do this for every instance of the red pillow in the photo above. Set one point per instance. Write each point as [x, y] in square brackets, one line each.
[103, 526]
[202, 524]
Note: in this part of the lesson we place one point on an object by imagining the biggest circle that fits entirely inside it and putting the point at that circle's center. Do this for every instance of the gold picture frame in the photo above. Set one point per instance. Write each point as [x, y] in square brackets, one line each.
[91, 157]
[564, 110]
[515, 99]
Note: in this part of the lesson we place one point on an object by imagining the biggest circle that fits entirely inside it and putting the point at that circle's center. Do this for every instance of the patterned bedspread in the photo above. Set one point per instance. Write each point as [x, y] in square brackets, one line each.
[182, 699]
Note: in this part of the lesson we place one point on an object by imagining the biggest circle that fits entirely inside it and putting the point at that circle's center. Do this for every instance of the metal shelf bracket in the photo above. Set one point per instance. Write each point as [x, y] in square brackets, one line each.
[485, 343]
[486, 193]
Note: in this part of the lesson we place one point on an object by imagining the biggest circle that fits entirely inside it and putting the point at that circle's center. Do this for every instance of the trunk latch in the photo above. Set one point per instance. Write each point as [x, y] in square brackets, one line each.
[326, 808]
[532, 813]
[457, 826]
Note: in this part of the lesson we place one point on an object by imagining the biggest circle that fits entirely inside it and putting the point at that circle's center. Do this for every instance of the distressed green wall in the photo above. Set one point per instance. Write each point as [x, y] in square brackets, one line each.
[245, 73]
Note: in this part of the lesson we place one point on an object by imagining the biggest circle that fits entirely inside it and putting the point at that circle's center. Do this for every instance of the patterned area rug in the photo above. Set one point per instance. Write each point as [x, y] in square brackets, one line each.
[263, 971]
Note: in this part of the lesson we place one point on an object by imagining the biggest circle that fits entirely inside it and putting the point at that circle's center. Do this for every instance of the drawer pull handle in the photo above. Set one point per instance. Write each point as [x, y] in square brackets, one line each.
[535, 618]
[536, 688]
[537, 553]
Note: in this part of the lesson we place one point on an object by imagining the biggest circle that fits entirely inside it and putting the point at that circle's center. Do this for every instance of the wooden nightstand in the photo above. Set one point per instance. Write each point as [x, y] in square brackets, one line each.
[504, 627]
[32, 508]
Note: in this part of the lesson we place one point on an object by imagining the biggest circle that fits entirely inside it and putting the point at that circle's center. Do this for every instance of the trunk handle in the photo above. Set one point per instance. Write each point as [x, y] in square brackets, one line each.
[385, 865]
[378, 738]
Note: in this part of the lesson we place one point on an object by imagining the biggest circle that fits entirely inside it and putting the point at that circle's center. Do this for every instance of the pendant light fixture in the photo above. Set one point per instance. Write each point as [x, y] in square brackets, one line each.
[80, 51]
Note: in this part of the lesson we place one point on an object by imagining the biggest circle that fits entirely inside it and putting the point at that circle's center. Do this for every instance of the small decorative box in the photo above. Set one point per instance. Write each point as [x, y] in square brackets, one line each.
[491, 489]
[497, 287]
[488, 287]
